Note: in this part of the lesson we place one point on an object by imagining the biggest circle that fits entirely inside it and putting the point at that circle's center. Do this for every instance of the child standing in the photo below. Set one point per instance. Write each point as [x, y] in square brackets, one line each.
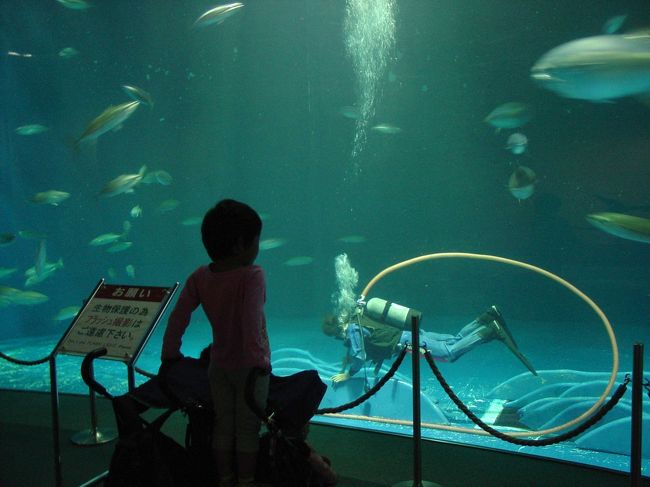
[232, 292]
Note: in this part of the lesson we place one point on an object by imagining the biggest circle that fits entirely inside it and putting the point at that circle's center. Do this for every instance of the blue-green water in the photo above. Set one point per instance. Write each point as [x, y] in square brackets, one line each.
[253, 109]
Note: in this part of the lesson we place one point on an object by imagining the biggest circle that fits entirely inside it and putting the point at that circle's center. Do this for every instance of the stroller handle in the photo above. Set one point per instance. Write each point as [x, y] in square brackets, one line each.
[87, 371]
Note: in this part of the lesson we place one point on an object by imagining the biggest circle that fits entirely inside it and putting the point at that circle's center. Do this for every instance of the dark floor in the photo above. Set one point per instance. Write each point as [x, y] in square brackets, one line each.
[363, 459]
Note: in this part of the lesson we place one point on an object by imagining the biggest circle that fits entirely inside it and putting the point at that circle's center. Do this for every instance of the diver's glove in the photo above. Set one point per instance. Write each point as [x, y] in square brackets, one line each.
[339, 378]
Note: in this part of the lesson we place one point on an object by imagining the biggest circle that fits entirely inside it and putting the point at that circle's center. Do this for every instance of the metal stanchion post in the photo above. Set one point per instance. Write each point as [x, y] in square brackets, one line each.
[93, 436]
[637, 416]
[417, 423]
[54, 392]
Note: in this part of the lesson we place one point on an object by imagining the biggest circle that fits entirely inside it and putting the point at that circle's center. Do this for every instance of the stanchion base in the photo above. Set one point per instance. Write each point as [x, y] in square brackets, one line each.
[409, 483]
[89, 437]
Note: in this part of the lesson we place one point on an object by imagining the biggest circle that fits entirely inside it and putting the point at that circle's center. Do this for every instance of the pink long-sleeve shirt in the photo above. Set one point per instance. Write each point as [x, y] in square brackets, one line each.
[233, 301]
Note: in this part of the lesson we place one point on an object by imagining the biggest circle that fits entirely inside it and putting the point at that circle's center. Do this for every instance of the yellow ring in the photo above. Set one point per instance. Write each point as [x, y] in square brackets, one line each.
[568, 285]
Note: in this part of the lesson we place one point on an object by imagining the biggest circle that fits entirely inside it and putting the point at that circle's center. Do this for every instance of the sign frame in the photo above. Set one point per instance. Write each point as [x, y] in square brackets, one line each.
[120, 317]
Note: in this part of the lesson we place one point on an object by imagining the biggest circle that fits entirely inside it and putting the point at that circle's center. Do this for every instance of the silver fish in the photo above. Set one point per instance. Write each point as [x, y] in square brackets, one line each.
[621, 225]
[385, 128]
[75, 4]
[299, 261]
[49, 268]
[125, 183]
[50, 197]
[67, 313]
[217, 14]
[598, 69]
[138, 94]
[136, 211]
[119, 247]
[272, 243]
[29, 298]
[517, 143]
[109, 119]
[509, 115]
[192, 220]
[614, 24]
[105, 239]
[32, 129]
[168, 205]
[68, 52]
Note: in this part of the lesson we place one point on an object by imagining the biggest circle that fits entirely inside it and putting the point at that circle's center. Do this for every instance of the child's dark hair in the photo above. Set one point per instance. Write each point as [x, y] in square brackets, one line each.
[230, 222]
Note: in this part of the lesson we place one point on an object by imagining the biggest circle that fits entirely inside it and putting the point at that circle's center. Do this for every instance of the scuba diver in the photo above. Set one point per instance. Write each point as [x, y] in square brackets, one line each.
[384, 328]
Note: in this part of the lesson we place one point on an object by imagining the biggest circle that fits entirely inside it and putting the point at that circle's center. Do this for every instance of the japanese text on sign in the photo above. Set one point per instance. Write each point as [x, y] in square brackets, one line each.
[118, 318]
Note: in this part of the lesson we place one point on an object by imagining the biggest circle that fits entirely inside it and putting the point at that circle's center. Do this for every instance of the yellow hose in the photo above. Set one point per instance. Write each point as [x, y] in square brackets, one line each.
[571, 287]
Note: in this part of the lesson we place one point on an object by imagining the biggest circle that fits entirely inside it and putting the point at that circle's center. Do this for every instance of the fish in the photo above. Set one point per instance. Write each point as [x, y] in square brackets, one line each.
[109, 119]
[168, 205]
[621, 225]
[66, 313]
[125, 183]
[136, 211]
[51, 197]
[522, 183]
[119, 247]
[613, 24]
[68, 52]
[31, 129]
[111, 273]
[161, 177]
[192, 220]
[29, 298]
[41, 259]
[7, 271]
[32, 234]
[75, 4]
[517, 143]
[7, 238]
[138, 94]
[105, 239]
[598, 69]
[351, 112]
[49, 268]
[353, 239]
[298, 261]
[130, 270]
[217, 14]
[7, 295]
[510, 115]
[272, 243]
[385, 128]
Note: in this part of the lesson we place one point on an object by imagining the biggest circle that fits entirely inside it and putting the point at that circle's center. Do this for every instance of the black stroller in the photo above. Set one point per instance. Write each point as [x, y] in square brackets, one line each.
[144, 456]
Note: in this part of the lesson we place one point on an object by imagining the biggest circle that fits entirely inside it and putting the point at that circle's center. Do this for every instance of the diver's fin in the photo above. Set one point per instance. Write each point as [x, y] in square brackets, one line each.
[497, 326]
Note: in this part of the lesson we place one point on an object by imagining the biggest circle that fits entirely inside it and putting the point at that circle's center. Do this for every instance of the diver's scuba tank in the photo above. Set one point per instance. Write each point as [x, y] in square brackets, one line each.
[391, 313]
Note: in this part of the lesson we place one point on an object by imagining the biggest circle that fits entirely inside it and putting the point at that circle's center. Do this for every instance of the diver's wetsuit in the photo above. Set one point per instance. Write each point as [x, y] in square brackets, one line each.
[381, 341]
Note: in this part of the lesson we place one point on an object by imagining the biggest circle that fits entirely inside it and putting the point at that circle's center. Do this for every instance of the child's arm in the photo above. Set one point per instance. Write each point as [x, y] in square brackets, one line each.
[179, 319]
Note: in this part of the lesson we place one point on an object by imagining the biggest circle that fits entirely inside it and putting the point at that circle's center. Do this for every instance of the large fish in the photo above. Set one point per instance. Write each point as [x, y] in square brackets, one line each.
[620, 225]
[598, 69]
[109, 119]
